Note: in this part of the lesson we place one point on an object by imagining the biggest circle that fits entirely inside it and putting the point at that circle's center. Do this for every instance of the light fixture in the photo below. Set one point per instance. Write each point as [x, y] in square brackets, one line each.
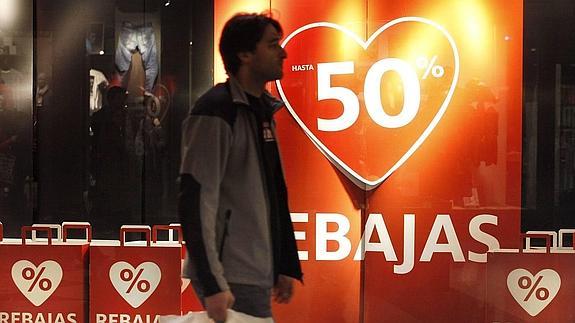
[167, 3]
[101, 52]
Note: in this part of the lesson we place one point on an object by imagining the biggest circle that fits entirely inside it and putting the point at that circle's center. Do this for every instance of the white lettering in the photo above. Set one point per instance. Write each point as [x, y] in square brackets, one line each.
[442, 223]
[100, 318]
[125, 318]
[408, 245]
[372, 93]
[375, 222]
[303, 67]
[332, 229]
[475, 231]
[27, 318]
[300, 235]
[323, 236]
[60, 318]
[347, 97]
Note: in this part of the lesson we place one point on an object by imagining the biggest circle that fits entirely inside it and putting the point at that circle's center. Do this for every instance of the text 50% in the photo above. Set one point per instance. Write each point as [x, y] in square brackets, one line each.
[44, 284]
[141, 284]
[541, 293]
[372, 91]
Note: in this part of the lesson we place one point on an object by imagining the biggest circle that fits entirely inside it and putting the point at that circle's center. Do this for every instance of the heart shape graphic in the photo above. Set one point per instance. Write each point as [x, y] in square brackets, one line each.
[135, 285]
[37, 284]
[330, 147]
[533, 292]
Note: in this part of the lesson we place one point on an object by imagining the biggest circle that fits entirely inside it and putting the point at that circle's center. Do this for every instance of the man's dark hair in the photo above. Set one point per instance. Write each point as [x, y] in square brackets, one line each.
[241, 34]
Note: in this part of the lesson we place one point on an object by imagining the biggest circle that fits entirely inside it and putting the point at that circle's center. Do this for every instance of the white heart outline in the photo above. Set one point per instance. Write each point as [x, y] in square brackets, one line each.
[343, 167]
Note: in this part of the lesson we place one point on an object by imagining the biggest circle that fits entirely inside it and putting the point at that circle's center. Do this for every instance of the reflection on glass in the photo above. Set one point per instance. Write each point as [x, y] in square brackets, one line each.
[16, 185]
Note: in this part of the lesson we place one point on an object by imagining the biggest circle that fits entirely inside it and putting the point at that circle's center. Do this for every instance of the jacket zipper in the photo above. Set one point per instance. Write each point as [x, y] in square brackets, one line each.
[226, 233]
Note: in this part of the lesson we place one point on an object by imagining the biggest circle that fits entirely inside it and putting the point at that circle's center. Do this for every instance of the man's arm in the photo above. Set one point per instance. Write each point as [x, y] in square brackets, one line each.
[205, 144]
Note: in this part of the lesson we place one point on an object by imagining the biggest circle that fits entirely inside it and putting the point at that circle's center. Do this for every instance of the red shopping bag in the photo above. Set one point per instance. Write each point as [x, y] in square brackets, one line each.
[190, 301]
[43, 281]
[532, 285]
[134, 282]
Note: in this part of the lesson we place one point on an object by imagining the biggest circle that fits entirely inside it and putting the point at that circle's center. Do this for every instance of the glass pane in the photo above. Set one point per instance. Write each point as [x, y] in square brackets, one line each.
[17, 189]
[110, 162]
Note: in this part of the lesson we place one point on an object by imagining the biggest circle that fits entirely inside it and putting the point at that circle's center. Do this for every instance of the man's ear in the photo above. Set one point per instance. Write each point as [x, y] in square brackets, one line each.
[245, 57]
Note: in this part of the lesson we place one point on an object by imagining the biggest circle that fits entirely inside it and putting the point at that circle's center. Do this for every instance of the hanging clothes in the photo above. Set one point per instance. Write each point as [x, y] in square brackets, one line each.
[98, 81]
[139, 38]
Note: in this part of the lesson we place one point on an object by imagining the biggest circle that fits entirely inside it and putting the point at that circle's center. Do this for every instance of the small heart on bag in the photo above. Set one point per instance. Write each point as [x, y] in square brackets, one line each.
[135, 285]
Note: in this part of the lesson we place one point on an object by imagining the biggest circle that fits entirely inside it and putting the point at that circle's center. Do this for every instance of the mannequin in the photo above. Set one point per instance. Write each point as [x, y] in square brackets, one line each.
[13, 79]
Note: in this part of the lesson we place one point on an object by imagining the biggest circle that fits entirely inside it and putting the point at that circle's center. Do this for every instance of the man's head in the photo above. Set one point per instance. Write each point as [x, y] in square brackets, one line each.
[116, 97]
[251, 41]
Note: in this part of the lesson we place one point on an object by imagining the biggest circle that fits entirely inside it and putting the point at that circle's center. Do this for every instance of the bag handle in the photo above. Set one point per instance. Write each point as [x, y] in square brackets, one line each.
[169, 227]
[79, 226]
[562, 232]
[547, 238]
[31, 229]
[135, 228]
[53, 226]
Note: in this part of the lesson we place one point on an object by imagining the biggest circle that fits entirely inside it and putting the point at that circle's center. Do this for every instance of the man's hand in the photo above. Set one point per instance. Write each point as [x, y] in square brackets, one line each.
[217, 305]
[283, 290]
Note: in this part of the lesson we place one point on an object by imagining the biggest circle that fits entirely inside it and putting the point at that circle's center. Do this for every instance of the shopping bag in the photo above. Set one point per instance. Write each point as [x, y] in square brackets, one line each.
[193, 317]
[202, 317]
[43, 280]
[531, 285]
[134, 281]
[190, 301]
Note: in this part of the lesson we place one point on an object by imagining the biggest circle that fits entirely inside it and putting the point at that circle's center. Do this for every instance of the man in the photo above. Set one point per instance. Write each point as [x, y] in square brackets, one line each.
[233, 200]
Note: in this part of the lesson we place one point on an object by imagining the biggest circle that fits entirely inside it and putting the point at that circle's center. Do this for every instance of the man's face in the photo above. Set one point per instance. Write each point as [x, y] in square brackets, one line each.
[266, 62]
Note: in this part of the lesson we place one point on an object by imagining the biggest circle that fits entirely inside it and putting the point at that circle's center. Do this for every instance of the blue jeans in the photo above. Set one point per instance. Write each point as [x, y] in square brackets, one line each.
[140, 38]
[249, 299]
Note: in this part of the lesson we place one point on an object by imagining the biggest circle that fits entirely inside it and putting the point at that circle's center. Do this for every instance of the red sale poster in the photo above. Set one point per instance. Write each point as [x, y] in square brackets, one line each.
[401, 144]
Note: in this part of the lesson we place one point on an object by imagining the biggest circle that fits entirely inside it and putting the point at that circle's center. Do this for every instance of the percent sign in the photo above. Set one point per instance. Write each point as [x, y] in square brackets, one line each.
[541, 293]
[127, 275]
[44, 284]
[429, 66]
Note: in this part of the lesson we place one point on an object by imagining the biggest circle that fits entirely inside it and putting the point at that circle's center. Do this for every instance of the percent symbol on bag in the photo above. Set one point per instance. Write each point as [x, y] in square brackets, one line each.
[44, 284]
[541, 293]
[142, 285]
[429, 66]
